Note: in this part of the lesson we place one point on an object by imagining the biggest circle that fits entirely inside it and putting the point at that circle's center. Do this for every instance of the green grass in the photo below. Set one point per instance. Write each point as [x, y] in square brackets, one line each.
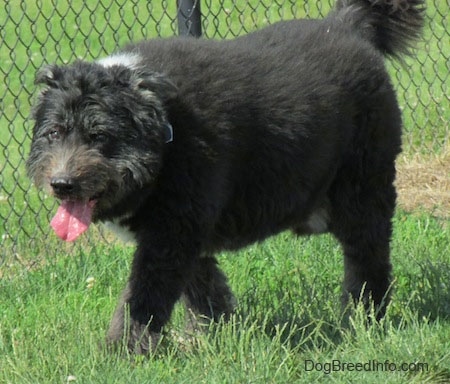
[54, 317]
[52, 320]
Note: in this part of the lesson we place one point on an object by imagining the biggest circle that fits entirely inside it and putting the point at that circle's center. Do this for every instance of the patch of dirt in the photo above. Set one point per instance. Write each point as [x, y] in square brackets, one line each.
[423, 183]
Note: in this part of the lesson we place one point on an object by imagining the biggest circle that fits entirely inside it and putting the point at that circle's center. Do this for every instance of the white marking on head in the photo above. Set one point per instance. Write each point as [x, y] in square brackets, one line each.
[130, 60]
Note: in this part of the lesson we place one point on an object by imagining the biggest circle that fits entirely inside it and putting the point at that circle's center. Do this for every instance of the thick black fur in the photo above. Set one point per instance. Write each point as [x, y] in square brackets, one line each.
[295, 127]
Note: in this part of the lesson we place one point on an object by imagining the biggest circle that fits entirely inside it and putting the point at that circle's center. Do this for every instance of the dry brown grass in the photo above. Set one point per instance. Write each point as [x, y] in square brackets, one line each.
[423, 183]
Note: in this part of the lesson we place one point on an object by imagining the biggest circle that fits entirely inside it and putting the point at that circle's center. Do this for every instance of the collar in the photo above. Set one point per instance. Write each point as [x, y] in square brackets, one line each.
[168, 132]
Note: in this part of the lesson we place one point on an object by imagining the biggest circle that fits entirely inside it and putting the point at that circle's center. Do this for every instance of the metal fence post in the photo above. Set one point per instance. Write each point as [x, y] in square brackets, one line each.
[189, 18]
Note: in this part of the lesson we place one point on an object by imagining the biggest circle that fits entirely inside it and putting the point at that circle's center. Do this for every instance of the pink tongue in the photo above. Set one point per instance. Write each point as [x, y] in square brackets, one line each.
[72, 219]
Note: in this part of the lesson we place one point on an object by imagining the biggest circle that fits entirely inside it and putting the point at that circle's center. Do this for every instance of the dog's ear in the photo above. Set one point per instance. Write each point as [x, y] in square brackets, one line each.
[158, 84]
[49, 75]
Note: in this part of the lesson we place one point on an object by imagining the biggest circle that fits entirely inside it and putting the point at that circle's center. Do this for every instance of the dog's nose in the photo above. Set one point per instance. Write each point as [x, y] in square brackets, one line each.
[62, 185]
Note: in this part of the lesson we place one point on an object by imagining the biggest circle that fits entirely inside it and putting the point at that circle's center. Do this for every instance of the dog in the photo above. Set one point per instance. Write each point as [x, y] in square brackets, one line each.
[193, 146]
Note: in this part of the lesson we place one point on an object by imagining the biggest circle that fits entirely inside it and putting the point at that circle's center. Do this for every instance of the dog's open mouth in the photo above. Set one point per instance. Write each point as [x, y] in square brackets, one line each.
[72, 218]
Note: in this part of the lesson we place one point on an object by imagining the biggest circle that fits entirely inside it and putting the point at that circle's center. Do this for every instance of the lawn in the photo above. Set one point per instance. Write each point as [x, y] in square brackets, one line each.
[56, 299]
[54, 317]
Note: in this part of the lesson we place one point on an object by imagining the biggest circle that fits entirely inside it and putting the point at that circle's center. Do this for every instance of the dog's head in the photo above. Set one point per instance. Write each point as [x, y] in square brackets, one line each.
[100, 130]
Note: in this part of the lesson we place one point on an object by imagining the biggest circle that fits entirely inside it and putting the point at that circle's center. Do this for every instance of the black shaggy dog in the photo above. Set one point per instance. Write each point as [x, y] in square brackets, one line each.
[195, 146]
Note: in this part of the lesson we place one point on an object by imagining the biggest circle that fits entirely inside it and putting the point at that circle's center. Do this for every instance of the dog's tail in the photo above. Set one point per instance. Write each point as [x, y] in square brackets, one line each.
[393, 26]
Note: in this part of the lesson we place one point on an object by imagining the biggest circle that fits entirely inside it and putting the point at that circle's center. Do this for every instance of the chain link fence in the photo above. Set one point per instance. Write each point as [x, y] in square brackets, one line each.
[33, 33]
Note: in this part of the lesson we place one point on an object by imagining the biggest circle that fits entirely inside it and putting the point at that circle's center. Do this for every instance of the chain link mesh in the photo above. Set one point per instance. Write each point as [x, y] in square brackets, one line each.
[39, 32]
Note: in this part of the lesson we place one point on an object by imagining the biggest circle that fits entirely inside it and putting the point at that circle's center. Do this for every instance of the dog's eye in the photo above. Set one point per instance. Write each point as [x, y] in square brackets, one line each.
[97, 137]
[54, 135]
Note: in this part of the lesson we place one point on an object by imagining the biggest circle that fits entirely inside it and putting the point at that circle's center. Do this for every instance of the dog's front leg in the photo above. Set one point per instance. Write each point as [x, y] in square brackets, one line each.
[156, 282]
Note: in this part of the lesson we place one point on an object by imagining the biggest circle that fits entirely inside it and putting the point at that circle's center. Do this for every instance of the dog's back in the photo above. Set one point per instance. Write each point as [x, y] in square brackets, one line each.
[303, 90]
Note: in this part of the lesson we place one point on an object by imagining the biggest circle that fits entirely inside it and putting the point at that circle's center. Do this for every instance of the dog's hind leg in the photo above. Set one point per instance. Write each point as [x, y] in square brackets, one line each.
[361, 221]
[207, 295]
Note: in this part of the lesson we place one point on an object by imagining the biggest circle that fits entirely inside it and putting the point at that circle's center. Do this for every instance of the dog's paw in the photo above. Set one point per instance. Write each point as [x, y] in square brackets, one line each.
[141, 341]
[134, 337]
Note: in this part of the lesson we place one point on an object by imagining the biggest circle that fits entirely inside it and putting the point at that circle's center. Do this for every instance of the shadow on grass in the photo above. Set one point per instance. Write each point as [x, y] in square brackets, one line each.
[426, 290]
[311, 319]
[315, 318]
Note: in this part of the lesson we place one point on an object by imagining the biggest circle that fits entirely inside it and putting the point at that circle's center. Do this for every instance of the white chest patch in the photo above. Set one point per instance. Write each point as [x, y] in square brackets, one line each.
[121, 231]
[318, 221]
